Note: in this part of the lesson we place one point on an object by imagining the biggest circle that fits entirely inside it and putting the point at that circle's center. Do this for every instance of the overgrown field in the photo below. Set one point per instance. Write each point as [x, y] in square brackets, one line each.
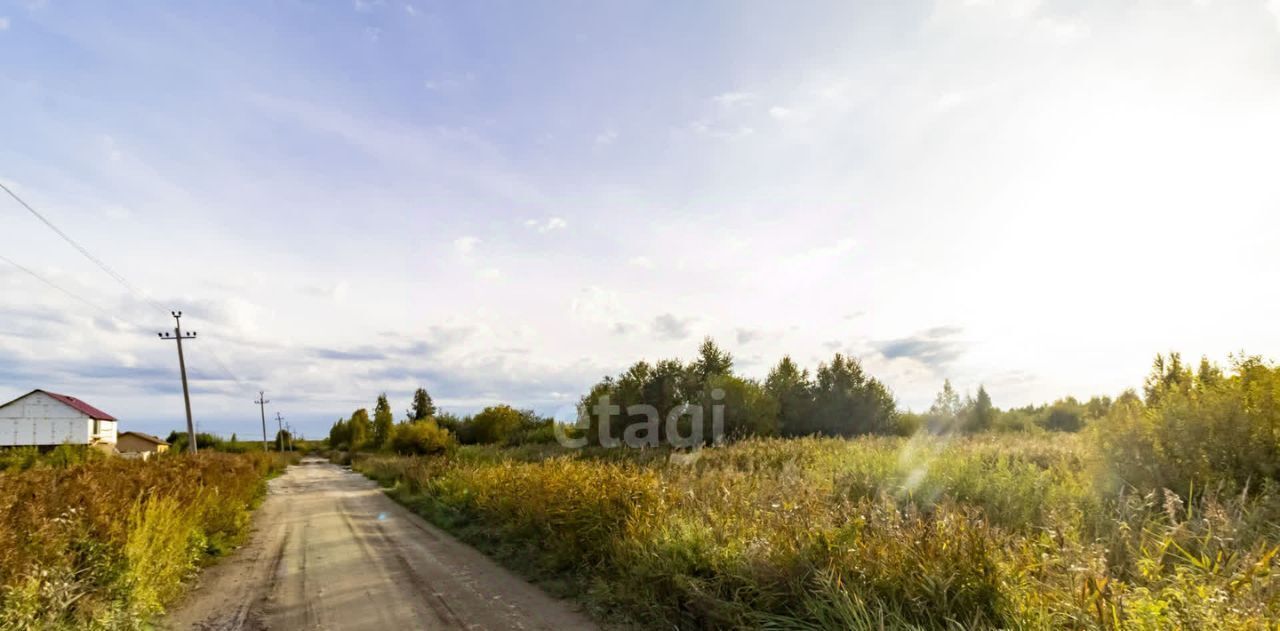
[877, 532]
[107, 543]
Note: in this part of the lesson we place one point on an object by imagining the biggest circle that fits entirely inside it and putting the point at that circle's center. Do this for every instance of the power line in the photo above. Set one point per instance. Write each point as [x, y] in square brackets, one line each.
[81, 249]
[217, 359]
[213, 354]
[68, 292]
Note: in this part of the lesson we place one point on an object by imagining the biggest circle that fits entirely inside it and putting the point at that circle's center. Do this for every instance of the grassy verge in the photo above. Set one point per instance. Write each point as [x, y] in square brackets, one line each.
[988, 532]
[107, 543]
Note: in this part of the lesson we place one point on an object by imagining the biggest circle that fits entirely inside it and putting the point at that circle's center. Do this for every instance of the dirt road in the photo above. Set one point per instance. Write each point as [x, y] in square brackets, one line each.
[331, 551]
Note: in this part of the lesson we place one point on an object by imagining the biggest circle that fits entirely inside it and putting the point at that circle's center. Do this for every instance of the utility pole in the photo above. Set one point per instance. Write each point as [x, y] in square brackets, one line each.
[280, 431]
[182, 365]
[262, 407]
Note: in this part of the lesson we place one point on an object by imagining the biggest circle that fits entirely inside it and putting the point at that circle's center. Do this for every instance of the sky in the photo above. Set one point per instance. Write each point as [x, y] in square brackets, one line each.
[506, 201]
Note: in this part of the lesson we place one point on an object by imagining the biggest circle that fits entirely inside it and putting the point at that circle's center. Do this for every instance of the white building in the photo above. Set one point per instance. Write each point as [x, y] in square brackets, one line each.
[45, 419]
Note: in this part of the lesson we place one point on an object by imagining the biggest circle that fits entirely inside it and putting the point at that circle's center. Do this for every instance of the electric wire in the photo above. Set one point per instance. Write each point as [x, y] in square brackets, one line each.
[106, 269]
[79, 248]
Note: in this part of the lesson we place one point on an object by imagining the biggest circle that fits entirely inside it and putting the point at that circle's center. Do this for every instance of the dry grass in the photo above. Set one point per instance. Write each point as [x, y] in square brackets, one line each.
[107, 543]
[989, 532]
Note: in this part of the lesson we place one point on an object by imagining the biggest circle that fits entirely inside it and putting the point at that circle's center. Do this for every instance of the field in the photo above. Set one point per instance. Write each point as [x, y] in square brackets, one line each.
[1010, 531]
[106, 543]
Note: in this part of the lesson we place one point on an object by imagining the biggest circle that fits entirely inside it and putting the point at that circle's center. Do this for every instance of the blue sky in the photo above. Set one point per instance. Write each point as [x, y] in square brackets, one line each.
[506, 201]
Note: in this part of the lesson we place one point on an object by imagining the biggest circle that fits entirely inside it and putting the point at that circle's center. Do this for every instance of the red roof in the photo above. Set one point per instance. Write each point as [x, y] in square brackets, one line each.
[81, 406]
[72, 402]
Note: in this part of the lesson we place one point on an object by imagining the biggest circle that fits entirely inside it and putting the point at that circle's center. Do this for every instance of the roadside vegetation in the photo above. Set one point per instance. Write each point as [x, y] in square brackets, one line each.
[91, 542]
[828, 508]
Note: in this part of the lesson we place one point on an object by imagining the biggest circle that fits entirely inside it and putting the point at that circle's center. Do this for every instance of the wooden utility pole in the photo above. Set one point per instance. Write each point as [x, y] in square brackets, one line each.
[182, 366]
[262, 407]
[280, 431]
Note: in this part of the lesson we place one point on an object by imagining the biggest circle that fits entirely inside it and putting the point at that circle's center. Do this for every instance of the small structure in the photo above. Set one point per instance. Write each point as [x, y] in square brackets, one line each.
[140, 446]
[46, 419]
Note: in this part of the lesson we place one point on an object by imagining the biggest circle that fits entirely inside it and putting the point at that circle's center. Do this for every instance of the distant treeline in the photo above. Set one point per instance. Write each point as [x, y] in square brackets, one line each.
[839, 398]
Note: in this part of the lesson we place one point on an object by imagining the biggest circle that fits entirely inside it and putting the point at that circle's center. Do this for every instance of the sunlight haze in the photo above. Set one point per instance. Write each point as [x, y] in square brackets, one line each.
[504, 202]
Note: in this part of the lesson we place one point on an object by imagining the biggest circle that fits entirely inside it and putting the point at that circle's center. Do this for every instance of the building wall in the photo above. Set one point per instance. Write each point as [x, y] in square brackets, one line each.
[133, 444]
[39, 419]
[107, 432]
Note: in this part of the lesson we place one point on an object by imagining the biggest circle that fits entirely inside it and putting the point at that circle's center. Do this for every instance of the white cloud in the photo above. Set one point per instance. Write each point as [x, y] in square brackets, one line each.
[4, 23]
[410, 9]
[641, 261]
[780, 113]
[952, 100]
[705, 128]
[1274, 7]
[733, 99]
[596, 304]
[606, 137]
[549, 224]
[465, 245]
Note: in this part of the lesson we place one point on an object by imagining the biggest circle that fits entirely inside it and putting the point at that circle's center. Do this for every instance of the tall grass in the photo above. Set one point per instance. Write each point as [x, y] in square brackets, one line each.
[986, 532]
[106, 544]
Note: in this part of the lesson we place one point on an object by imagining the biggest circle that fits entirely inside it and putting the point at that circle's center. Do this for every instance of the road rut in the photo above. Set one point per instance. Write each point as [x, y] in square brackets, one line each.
[331, 551]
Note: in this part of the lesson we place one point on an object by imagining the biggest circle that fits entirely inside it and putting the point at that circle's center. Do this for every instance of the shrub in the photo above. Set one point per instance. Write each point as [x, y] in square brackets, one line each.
[420, 438]
[1197, 431]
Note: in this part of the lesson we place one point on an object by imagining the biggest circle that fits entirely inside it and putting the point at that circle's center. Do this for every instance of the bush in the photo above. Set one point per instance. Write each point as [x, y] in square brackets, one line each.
[420, 438]
[1197, 431]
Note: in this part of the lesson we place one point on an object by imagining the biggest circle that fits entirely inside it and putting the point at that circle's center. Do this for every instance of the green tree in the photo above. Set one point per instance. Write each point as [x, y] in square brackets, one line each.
[340, 435]
[848, 402]
[359, 430]
[496, 424]
[747, 409]
[945, 415]
[1065, 415]
[792, 391]
[423, 408]
[383, 422]
[983, 413]
[712, 360]
[1168, 376]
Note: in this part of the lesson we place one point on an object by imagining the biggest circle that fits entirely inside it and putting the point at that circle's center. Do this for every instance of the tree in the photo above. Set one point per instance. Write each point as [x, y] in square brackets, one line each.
[792, 392]
[383, 422]
[495, 424]
[340, 435]
[712, 360]
[945, 414]
[747, 409]
[848, 402]
[1167, 376]
[983, 413]
[359, 430]
[423, 408]
[1065, 415]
